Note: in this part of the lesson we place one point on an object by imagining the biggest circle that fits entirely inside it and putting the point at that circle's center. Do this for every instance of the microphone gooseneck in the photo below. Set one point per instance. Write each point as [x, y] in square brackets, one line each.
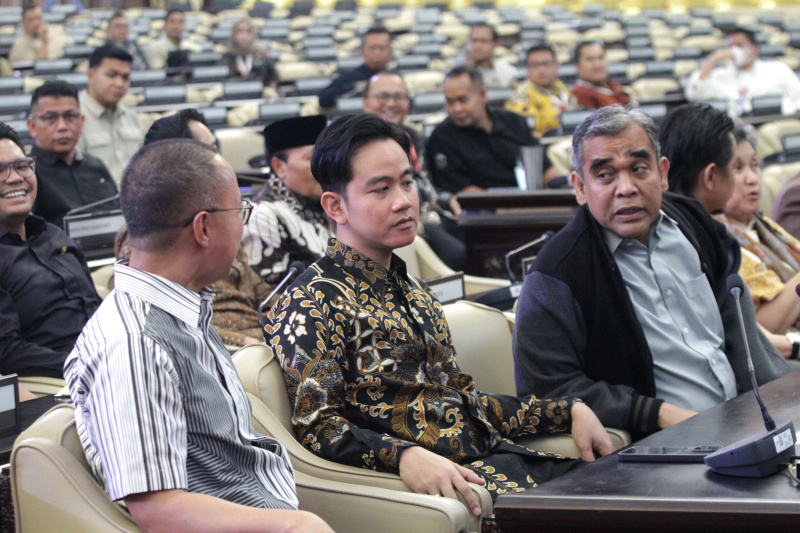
[735, 285]
[294, 269]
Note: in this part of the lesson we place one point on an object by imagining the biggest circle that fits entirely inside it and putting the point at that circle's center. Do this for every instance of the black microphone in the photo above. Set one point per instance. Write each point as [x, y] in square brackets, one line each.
[294, 269]
[762, 454]
[797, 289]
[546, 236]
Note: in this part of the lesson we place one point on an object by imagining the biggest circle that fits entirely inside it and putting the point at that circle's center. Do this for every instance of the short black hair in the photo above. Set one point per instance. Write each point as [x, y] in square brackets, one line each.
[110, 51]
[495, 37]
[750, 34]
[374, 30]
[171, 11]
[541, 47]
[578, 51]
[174, 126]
[116, 15]
[692, 136]
[7, 132]
[55, 88]
[165, 182]
[29, 7]
[331, 162]
[475, 76]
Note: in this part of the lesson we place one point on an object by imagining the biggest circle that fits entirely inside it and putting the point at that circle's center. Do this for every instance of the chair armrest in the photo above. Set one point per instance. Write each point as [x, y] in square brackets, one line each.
[563, 444]
[379, 509]
[42, 386]
[52, 491]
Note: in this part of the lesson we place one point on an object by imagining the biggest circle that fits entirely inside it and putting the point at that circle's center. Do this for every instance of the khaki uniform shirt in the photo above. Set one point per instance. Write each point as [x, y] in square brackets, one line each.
[111, 136]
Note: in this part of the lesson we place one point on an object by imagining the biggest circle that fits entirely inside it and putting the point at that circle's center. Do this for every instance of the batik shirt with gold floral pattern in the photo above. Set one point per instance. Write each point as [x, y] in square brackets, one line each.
[371, 370]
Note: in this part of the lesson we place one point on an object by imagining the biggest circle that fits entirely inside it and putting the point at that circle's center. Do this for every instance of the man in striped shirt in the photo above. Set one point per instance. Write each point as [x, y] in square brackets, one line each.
[160, 411]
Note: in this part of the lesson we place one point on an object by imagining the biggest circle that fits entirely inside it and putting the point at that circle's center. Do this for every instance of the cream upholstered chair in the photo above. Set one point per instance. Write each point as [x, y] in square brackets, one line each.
[103, 279]
[238, 145]
[773, 177]
[53, 489]
[423, 263]
[770, 136]
[41, 385]
[482, 337]
[560, 154]
[262, 377]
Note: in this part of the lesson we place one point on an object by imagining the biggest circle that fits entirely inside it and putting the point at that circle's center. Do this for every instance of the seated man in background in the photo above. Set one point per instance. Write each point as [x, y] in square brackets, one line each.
[172, 40]
[160, 410]
[735, 73]
[237, 297]
[594, 88]
[37, 40]
[46, 292]
[387, 96]
[67, 177]
[376, 49]
[483, 41]
[543, 96]
[288, 223]
[113, 132]
[368, 359]
[118, 31]
[786, 208]
[476, 148]
[627, 306]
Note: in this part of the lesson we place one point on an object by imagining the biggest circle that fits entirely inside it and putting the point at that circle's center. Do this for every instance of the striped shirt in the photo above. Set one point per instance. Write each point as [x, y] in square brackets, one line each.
[158, 403]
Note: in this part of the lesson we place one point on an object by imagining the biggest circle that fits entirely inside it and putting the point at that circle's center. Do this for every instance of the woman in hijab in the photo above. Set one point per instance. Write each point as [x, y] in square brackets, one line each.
[246, 59]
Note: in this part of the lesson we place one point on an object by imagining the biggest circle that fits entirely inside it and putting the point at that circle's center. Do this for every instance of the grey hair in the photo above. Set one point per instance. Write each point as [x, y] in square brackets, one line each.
[611, 120]
[742, 131]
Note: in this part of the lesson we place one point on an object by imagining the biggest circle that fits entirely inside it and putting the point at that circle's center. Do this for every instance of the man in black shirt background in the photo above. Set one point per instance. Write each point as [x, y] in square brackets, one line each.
[476, 147]
[46, 292]
[67, 178]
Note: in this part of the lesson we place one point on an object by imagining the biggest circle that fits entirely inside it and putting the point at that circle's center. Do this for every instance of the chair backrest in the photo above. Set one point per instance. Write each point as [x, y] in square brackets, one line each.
[482, 337]
[52, 486]
[421, 261]
[262, 377]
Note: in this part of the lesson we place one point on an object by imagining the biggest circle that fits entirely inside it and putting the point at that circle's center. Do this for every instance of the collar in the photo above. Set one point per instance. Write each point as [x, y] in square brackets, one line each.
[613, 240]
[364, 268]
[50, 158]
[94, 107]
[607, 89]
[33, 226]
[168, 296]
[275, 190]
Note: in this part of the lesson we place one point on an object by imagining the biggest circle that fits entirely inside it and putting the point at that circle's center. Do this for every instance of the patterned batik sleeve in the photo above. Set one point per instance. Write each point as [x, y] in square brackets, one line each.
[309, 336]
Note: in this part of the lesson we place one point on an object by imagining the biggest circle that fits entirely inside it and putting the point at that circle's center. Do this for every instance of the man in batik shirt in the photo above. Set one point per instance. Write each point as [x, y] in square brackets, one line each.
[369, 363]
[288, 223]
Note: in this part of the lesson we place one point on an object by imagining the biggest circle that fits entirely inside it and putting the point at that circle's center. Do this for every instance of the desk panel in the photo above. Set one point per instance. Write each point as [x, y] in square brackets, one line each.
[611, 496]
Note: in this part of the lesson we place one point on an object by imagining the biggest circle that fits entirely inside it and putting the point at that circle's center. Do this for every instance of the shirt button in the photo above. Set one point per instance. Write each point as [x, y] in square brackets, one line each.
[669, 292]
[713, 362]
[686, 330]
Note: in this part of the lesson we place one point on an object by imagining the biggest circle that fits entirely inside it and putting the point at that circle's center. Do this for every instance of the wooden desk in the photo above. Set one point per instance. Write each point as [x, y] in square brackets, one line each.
[611, 496]
[496, 222]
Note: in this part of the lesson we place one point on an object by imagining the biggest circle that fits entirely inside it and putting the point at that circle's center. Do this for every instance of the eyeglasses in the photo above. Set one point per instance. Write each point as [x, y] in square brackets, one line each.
[397, 97]
[246, 208]
[24, 167]
[538, 64]
[51, 119]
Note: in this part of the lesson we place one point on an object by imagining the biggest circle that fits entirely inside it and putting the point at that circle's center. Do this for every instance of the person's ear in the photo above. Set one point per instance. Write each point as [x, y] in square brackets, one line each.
[663, 170]
[333, 204]
[200, 229]
[579, 186]
[708, 177]
[278, 167]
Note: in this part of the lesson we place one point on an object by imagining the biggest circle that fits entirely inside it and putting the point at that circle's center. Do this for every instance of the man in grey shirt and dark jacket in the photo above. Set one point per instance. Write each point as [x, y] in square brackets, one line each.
[583, 327]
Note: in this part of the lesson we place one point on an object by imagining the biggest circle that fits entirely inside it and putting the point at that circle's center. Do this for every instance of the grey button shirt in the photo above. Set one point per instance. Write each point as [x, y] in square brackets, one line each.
[679, 316]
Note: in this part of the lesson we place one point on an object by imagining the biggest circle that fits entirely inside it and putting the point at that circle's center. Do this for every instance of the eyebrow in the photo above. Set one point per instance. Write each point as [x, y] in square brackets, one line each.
[380, 179]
